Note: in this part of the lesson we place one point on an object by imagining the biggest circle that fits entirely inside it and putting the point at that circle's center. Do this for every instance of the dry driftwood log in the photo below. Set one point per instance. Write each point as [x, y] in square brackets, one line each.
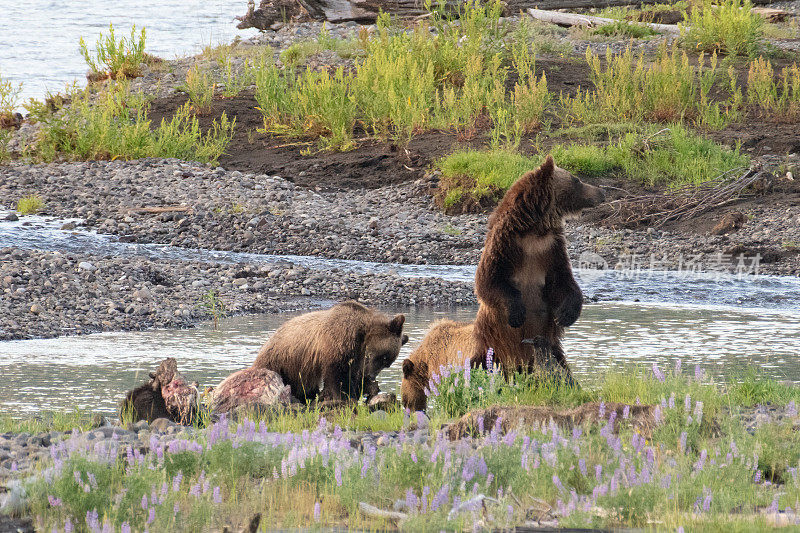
[271, 12]
[572, 19]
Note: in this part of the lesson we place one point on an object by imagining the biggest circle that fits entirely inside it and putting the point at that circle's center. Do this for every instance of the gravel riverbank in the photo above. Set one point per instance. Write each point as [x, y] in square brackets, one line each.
[51, 294]
[231, 210]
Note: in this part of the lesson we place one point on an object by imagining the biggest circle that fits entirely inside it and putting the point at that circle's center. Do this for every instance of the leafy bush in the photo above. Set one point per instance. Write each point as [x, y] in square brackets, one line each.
[115, 58]
[9, 94]
[115, 124]
[200, 88]
[729, 28]
[30, 205]
[779, 97]
[628, 88]
[621, 28]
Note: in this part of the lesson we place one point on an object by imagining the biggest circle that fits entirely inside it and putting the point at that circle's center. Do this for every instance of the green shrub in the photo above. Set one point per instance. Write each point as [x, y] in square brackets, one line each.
[30, 205]
[200, 87]
[670, 89]
[729, 28]
[9, 94]
[781, 96]
[621, 28]
[115, 125]
[114, 58]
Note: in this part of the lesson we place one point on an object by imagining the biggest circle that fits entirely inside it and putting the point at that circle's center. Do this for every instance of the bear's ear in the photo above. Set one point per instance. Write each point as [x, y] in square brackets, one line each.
[544, 174]
[404, 340]
[396, 324]
[408, 368]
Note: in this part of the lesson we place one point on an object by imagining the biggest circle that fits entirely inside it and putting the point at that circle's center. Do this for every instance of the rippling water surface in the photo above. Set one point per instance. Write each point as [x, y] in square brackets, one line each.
[93, 371]
[39, 38]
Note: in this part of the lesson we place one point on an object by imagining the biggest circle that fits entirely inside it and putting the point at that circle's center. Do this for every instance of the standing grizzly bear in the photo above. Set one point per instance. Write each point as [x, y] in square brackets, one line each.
[344, 347]
[524, 283]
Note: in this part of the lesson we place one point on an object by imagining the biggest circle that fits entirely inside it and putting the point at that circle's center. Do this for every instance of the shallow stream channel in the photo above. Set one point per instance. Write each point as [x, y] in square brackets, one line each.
[723, 323]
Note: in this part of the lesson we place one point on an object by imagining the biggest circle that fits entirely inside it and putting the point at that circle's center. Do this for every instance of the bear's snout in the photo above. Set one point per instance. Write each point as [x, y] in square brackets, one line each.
[596, 196]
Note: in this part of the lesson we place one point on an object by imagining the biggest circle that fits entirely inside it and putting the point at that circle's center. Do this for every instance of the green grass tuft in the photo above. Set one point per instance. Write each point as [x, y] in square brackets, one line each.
[30, 205]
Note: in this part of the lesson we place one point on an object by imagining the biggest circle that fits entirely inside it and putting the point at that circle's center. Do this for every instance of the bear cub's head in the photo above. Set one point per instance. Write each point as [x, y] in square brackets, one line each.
[569, 194]
[382, 343]
[415, 381]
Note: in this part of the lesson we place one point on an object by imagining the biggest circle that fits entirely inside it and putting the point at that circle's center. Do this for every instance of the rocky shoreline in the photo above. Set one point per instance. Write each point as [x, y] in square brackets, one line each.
[49, 294]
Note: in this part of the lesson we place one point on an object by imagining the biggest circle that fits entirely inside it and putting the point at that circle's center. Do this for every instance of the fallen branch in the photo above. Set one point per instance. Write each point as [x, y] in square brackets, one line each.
[588, 21]
[686, 202]
[470, 505]
[374, 512]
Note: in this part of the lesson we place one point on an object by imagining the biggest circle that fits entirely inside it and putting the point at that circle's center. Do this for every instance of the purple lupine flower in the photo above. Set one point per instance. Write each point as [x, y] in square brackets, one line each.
[663, 403]
[490, 359]
[773, 507]
[54, 502]
[680, 529]
[466, 370]
[626, 412]
[337, 473]
[666, 481]
[195, 490]
[317, 511]
[698, 411]
[411, 500]
[489, 479]
[672, 401]
[144, 502]
[791, 409]
[658, 373]
[125, 528]
[699, 373]
[582, 465]
[701, 462]
[68, 527]
[598, 472]
[558, 484]
[682, 442]
[687, 403]
[480, 424]
[216, 496]
[176, 482]
[757, 477]
[93, 519]
[602, 410]
[677, 366]
[151, 516]
[657, 414]
[707, 502]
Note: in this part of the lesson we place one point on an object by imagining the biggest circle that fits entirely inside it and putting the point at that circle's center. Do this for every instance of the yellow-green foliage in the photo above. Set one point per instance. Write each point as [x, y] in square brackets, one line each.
[121, 58]
[115, 125]
[729, 27]
[9, 92]
[410, 82]
[771, 95]
[200, 88]
[673, 156]
[630, 88]
[30, 205]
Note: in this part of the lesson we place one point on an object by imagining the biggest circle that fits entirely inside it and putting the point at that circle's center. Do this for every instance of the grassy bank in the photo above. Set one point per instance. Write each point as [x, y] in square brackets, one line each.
[477, 78]
[698, 467]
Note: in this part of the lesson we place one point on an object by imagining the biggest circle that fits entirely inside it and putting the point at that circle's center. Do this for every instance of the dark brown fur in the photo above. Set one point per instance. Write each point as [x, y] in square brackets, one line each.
[524, 280]
[345, 347]
[524, 283]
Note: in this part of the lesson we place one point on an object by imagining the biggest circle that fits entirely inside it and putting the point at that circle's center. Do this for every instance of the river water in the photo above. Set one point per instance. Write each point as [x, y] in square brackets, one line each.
[39, 38]
[723, 323]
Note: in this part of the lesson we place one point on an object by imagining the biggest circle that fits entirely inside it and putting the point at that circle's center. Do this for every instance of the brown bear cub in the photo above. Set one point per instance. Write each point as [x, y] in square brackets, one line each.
[524, 284]
[344, 347]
